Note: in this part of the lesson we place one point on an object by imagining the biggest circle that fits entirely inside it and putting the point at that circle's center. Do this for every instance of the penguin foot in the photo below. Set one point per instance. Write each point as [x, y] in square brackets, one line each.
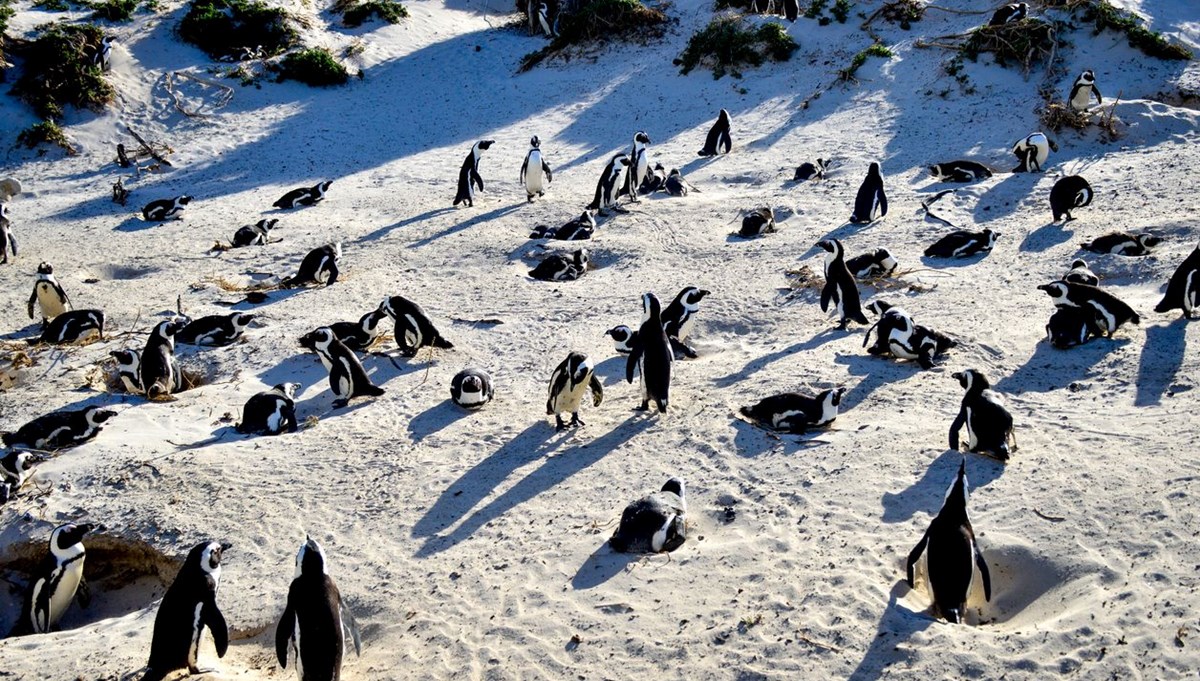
[560, 426]
[645, 406]
[576, 421]
[338, 404]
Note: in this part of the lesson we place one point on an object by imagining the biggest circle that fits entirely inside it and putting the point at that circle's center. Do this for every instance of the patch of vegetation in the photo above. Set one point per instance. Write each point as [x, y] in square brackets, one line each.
[355, 13]
[1103, 15]
[52, 5]
[232, 29]
[314, 66]
[6, 13]
[730, 42]
[46, 132]
[841, 10]
[60, 70]
[114, 10]
[875, 50]
[1023, 42]
[957, 70]
[903, 12]
[597, 21]
[814, 9]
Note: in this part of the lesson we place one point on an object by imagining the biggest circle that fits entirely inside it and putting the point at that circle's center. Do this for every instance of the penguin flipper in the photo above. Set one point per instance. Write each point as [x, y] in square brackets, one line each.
[283, 634]
[32, 300]
[549, 175]
[212, 618]
[635, 354]
[959, 422]
[913, 557]
[476, 179]
[350, 626]
[597, 389]
[882, 202]
[524, 169]
[827, 295]
[983, 572]
[333, 274]
[83, 593]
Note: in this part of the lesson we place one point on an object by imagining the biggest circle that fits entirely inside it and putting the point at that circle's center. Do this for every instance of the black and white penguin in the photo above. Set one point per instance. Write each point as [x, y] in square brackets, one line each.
[319, 266]
[549, 29]
[951, 554]
[791, 10]
[360, 335]
[103, 56]
[48, 294]
[811, 171]
[304, 196]
[580, 229]
[924, 346]
[188, 607]
[654, 523]
[651, 355]
[1032, 153]
[1009, 14]
[57, 581]
[271, 412]
[1069, 193]
[959, 171]
[796, 412]
[165, 209]
[873, 265]
[414, 329]
[758, 222]
[840, 289]
[655, 180]
[315, 621]
[571, 380]
[15, 468]
[347, 377]
[989, 425]
[257, 234]
[962, 244]
[8, 242]
[1071, 326]
[129, 370]
[719, 140]
[1081, 274]
[623, 338]
[893, 330]
[612, 179]
[639, 165]
[1080, 98]
[215, 330]
[679, 318]
[159, 369]
[74, 326]
[559, 267]
[1123, 243]
[468, 175]
[870, 197]
[471, 388]
[1183, 288]
[677, 184]
[534, 167]
[1111, 312]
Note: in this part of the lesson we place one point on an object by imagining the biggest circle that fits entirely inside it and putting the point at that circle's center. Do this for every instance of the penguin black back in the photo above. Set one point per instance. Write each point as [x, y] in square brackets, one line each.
[1183, 289]
[651, 353]
[840, 288]
[719, 140]
[1069, 193]
[315, 620]
[870, 197]
[188, 607]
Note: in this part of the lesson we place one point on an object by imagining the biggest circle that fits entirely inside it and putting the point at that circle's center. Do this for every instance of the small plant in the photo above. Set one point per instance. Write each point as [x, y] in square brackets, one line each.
[60, 70]
[46, 132]
[729, 42]
[903, 12]
[841, 10]
[1103, 15]
[875, 50]
[114, 10]
[233, 29]
[357, 13]
[814, 9]
[52, 5]
[314, 66]
[600, 21]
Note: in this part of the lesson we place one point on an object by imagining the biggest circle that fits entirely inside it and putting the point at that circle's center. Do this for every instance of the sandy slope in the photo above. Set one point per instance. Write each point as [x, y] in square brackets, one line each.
[472, 545]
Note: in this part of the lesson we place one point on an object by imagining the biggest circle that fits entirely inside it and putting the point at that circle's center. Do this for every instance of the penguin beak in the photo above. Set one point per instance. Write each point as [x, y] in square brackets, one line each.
[958, 375]
[225, 546]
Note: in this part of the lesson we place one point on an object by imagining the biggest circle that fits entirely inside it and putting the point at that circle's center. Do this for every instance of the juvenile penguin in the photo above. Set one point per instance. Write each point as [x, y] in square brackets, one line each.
[319, 266]
[989, 425]
[677, 185]
[639, 165]
[215, 330]
[271, 412]
[257, 234]
[1083, 89]
[188, 607]
[15, 468]
[951, 554]
[870, 197]
[1111, 312]
[159, 369]
[471, 388]
[811, 171]
[962, 244]
[315, 621]
[1069, 193]
[651, 355]
[796, 412]
[1122, 243]
[8, 241]
[1032, 153]
[73, 326]
[579, 229]
[1080, 274]
[347, 377]
[1071, 326]
[534, 167]
[654, 523]
[165, 209]
[959, 171]
[304, 196]
[48, 294]
[719, 140]
[873, 265]
[559, 267]
[1009, 14]
[679, 318]
[571, 380]
[840, 290]
[758, 222]
[362, 334]
[468, 175]
[656, 180]
[611, 180]
[57, 581]
[60, 429]
[1183, 289]
[414, 329]
[623, 338]
[129, 370]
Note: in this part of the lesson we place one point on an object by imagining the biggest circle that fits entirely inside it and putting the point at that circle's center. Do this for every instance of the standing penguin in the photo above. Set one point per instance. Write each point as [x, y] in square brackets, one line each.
[680, 317]
[48, 294]
[1068, 193]
[840, 288]
[719, 140]
[271, 412]
[57, 581]
[951, 554]
[791, 10]
[468, 175]
[548, 29]
[989, 425]
[1083, 89]
[159, 368]
[571, 379]
[347, 377]
[471, 388]
[654, 523]
[8, 242]
[189, 606]
[651, 355]
[315, 621]
[870, 197]
[533, 168]
[1110, 312]
[1032, 153]
[1183, 289]
[639, 166]
[103, 56]
[414, 330]
[165, 209]
[611, 181]
[319, 266]
[304, 196]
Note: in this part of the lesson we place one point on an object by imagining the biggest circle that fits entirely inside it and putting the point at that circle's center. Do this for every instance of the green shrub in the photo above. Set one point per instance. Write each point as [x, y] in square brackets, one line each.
[52, 5]
[875, 50]
[1102, 14]
[59, 70]
[598, 21]
[229, 28]
[313, 66]
[6, 13]
[46, 132]
[114, 10]
[730, 42]
[358, 13]
[841, 10]
[814, 9]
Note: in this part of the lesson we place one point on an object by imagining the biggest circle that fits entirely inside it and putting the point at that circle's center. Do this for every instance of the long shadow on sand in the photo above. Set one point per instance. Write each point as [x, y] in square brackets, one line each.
[1052, 369]
[1045, 237]
[875, 371]
[928, 492]
[1004, 197]
[466, 224]
[601, 566]
[435, 419]
[1162, 355]
[897, 625]
[759, 363]
[427, 215]
[753, 441]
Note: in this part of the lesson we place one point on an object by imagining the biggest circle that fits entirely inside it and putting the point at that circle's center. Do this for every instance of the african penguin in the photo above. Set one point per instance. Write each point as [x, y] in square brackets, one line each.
[870, 197]
[73, 326]
[1122, 243]
[8, 242]
[1071, 326]
[362, 334]
[48, 294]
[188, 607]
[159, 369]
[1080, 274]
[651, 354]
[1009, 14]
[962, 244]
[654, 523]
[347, 377]
[791, 10]
[471, 388]
[989, 425]
[468, 175]
[719, 140]
[559, 267]
[15, 468]
[215, 330]
[924, 345]
[623, 338]
[165, 209]
[609, 185]
[811, 171]
[1032, 152]
[639, 165]
[57, 581]
[569, 383]
[319, 266]
[758, 222]
[840, 290]
[315, 621]
[414, 330]
[304, 196]
[655, 180]
[1068, 193]
[959, 171]
[893, 330]
[680, 318]
[1110, 312]
[271, 412]
[534, 167]
[876, 264]
[129, 370]
[579, 229]
[257, 234]
[796, 412]
[676, 184]
[1183, 289]
[1083, 89]
[548, 28]
[103, 56]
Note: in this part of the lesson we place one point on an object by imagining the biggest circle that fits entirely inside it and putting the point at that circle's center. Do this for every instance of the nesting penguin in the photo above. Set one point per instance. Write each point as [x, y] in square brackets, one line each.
[315, 621]
[1009, 14]
[580, 229]
[1110, 312]
[1080, 98]
[963, 244]
[257, 234]
[60, 429]
[796, 412]
[560, 267]
[73, 326]
[989, 424]
[959, 171]
[186, 610]
[159, 369]
[811, 171]
[162, 210]
[757, 223]
[655, 180]
[15, 468]
[654, 523]
[48, 294]
[319, 266]
[676, 184]
[871, 202]
[468, 175]
[1072, 326]
[471, 388]
[1123, 243]
[216, 330]
[651, 355]
[639, 165]
[1081, 274]
[362, 334]
[623, 338]
[347, 377]
[8, 242]
[58, 580]
[304, 196]
[840, 290]
[719, 140]
[612, 179]
[129, 370]
[569, 383]
[271, 412]
[534, 167]
[1069, 193]
[679, 318]
[1183, 288]
[874, 265]
[414, 330]
[1032, 153]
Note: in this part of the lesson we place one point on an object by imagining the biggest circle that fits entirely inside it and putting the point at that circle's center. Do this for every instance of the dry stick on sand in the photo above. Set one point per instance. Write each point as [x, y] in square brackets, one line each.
[226, 93]
[929, 202]
[148, 149]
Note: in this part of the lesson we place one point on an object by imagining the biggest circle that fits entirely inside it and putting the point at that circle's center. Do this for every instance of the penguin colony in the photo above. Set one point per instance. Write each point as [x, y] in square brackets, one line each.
[315, 625]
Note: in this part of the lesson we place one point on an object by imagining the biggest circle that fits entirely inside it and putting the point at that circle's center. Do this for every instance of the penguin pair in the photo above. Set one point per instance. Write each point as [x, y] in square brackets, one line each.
[1069, 193]
[188, 608]
[719, 139]
[873, 265]
[1123, 243]
[214, 330]
[257, 234]
[162, 210]
[60, 429]
[796, 412]
[989, 424]
[840, 290]
[158, 369]
[1080, 97]
[8, 241]
[360, 335]
[48, 295]
[651, 353]
[72, 327]
[347, 377]
[569, 383]
[655, 180]
[15, 468]
[1072, 326]
[611, 182]
[471, 388]
[757, 223]
[535, 166]
[57, 582]
[319, 267]
[468, 176]
[315, 623]
[639, 166]
[1108, 312]
[414, 329]
[271, 412]
[963, 244]
[560, 267]
[1183, 288]
[959, 171]
[1032, 153]
[870, 203]
[653, 524]
[580, 229]
[304, 196]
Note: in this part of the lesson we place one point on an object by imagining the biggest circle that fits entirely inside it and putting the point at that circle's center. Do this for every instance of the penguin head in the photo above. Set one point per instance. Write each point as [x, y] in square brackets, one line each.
[674, 173]
[472, 383]
[971, 379]
[534, 141]
[167, 330]
[207, 556]
[485, 144]
[1087, 77]
[241, 319]
[588, 218]
[723, 116]
[935, 170]
[318, 339]
[641, 137]
[884, 257]
[266, 225]
[991, 237]
[879, 307]
[674, 486]
[64, 538]
[1078, 263]
[620, 334]
[96, 416]
[831, 246]
[579, 365]
[651, 308]
[125, 358]
[287, 390]
[45, 268]
[183, 200]
[1147, 241]
[873, 169]
[323, 187]
[833, 395]
[957, 492]
[336, 249]
[581, 258]
[691, 296]
[310, 559]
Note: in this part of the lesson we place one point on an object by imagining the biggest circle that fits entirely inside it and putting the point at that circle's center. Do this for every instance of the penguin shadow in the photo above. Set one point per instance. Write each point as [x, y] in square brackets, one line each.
[1162, 356]
[696, 164]
[841, 232]
[1050, 368]
[612, 370]
[601, 566]
[303, 368]
[434, 419]
[467, 224]
[1045, 237]
[759, 363]
[897, 625]
[33, 330]
[753, 441]
[875, 372]
[135, 223]
[992, 206]
[223, 434]
[926, 494]
[388, 229]
[271, 297]
[953, 263]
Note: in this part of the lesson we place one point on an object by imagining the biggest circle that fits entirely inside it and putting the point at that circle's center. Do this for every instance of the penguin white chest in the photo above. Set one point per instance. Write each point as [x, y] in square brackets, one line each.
[1191, 292]
[275, 418]
[533, 173]
[1082, 98]
[194, 643]
[61, 599]
[972, 439]
[412, 333]
[686, 325]
[48, 301]
[569, 399]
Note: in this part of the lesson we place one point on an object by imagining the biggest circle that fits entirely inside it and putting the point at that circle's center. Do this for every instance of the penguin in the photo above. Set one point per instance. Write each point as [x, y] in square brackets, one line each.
[360, 335]
[874, 265]
[558, 267]
[1009, 14]
[1032, 152]
[1071, 326]
[679, 318]
[1068, 193]
[571, 379]
[8, 242]
[545, 232]
[320, 266]
[1083, 89]
[315, 621]
[304, 196]
[757, 223]
[959, 171]
[468, 175]
[639, 166]
[810, 171]
[129, 370]
[103, 57]
[1183, 289]
[1123, 243]
[347, 377]
[610, 183]
[535, 165]
[58, 580]
[719, 140]
[162, 210]
[651, 354]
[623, 338]
[951, 554]
[655, 180]
[893, 330]
[271, 412]
[580, 229]
[796, 412]
[870, 198]
[257, 234]
[962, 244]
[840, 288]
[188, 607]
[676, 185]
[15, 468]
[414, 330]
[215, 330]
[48, 294]
[159, 369]
[791, 10]
[471, 388]
[74, 326]
[1110, 312]
[654, 523]
[924, 345]
[548, 29]
[989, 425]
[1080, 274]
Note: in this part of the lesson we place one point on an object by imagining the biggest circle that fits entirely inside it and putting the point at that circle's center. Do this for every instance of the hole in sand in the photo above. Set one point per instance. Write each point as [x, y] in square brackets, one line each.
[119, 272]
